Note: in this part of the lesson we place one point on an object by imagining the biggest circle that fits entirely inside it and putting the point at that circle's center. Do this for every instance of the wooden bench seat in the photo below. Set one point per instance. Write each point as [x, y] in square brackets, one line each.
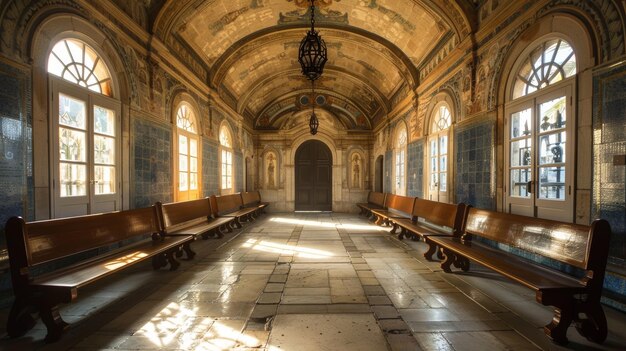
[34, 245]
[575, 298]
[193, 217]
[375, 200]
[231, 206]
[396, 206]
[432, 218]
[252, 199]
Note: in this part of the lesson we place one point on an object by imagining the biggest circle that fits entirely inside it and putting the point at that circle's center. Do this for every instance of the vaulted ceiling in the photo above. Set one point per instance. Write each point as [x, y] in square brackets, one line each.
[375, 50]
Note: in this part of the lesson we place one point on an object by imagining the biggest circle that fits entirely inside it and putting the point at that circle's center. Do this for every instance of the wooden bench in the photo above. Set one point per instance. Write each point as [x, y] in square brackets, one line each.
[231, 206]
[432, 218]
[584, 247]
[396, 206]
[375, 200]
[34, 245]
[192, 217]
[252, 199]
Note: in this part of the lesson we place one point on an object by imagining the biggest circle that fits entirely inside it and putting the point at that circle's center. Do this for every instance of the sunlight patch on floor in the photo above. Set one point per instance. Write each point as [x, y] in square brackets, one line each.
[284, 249]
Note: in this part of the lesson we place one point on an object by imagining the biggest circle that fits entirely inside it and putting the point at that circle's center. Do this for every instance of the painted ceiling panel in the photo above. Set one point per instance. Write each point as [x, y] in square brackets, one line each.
[217, 25]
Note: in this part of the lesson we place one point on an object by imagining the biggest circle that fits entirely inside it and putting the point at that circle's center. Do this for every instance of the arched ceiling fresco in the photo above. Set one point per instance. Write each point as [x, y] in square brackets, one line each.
[374, 48]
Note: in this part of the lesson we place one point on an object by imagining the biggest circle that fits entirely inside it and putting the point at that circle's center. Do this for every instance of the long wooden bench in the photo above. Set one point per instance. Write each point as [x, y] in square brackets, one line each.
[396, 206]
[432, 218]
[231, 205]
[252, 199]
[33, 245]
[375, 201]
[572, 295]
[194, 218]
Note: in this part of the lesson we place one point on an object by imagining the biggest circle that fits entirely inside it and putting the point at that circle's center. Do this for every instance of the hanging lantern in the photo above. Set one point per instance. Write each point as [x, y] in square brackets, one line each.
[312, 54]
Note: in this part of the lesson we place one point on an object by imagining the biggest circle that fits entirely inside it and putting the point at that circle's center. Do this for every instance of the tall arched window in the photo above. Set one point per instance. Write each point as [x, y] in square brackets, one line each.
[188, 176]
[226, 160]
[400, 160]
[86, 131]
[539, 132]
[438, 153]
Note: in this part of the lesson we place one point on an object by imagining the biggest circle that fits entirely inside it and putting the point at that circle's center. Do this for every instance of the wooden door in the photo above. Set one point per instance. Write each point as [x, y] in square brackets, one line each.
[313, 177]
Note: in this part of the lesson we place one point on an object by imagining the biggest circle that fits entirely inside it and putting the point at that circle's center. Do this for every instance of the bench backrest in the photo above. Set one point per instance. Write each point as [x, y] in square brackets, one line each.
[175, 213]
[48, 240]
[440, 214]
[376, 198]
[224, 204]
[250, 198]
[577, 245]
[399, 203]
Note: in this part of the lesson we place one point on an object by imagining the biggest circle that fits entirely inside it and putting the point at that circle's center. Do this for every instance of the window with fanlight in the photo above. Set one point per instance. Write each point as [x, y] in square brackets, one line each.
[438, 153]
[188, 175]
[86, 131]
[539, 132]
[226, 159]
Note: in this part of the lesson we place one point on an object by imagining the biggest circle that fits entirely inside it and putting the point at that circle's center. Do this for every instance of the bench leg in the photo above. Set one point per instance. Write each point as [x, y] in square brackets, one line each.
[159, 261]
[563, 317]
[218, 233]
[402, 233]
[237, 223]
[394, 227]
[172, 260]
[229, 227]
[188, 251]
[20, 319]
[432, 248]
[594, 327]
[448, 259]
[49, 313]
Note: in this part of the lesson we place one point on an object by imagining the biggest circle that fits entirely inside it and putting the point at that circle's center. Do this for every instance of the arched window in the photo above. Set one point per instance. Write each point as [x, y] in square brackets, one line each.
[438, 153]
[226, 159]
[400, 160]
[86, 131]
[539, 132]
[188, 154]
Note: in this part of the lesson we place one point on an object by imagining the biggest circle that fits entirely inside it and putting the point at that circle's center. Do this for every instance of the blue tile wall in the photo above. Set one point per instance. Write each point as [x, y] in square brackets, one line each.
[415, 167]
[210, 168]
[151, 163]
[16, 159]
[474, 145]
[609, 179]
[388, 171]
[238, 171]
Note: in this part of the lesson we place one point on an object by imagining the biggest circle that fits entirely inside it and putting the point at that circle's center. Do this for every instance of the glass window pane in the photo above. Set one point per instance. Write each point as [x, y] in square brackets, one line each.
[433, 164]
[552, 114]
[433, 148]
[521, 153]
[182, 145]
[72, 112]
[104, 121]
[443, 144]
[182, 163]
[443, 164]
[193, 147]
[182, 181]
[552, 148]
[552, 183]
[78, 63]
[433, 180]
[104, 150]
[442, 181]
[521, 123]
[519, 182]
[72, 145]
[193, 181]
[104, 180]
[193, 164]
[73, 179]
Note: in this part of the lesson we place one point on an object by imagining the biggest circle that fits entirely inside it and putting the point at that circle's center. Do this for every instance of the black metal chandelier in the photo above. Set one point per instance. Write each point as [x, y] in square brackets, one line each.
[312, 54]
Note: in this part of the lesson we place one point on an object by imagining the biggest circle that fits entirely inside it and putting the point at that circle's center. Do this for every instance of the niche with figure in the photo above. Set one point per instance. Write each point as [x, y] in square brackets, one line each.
[271, 170]
[356, 170]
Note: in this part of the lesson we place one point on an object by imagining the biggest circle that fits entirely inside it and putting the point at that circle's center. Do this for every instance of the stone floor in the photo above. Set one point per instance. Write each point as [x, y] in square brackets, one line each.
[308, 282]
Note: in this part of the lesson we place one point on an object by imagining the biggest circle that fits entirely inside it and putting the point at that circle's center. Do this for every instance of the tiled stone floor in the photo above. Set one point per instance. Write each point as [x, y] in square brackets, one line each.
[308, 282]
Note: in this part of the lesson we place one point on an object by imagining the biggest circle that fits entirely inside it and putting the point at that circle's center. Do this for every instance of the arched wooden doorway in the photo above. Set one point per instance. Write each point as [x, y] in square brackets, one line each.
[313, 177]
[378, 185]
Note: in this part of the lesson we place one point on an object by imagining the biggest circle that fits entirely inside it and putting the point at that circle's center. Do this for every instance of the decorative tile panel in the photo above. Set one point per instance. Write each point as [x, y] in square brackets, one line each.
[16, 158]
[415, 166]
[152, 163]
[210, 168]
[388, 171]
[238, 171]
[474, 145]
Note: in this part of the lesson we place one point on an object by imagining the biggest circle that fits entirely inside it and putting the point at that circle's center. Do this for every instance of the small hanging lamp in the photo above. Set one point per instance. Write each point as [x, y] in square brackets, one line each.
[313, 121]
